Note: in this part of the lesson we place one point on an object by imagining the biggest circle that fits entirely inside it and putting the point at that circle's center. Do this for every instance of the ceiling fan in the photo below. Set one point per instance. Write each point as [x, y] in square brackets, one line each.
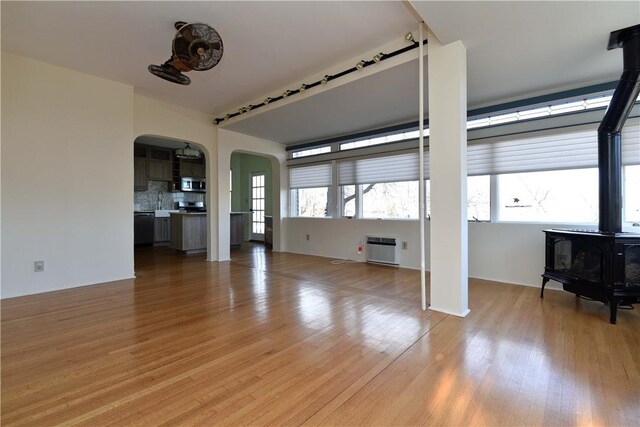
[195, 46]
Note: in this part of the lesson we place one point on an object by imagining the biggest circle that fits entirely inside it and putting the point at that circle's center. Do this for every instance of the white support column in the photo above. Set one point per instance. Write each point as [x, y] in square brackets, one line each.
[421, 193]
[448, 174]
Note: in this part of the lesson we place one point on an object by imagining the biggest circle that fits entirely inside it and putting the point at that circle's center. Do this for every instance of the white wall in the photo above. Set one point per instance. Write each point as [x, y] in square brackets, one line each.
[504, 252]
[339, 238]
[153, 117]
[228, 142]
[67, 177]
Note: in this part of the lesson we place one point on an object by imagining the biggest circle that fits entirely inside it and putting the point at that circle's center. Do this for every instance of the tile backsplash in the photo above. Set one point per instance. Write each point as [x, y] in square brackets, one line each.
[147, 200]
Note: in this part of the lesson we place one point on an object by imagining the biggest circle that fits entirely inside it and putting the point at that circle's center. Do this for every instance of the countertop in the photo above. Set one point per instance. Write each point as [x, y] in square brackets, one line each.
[188, 213]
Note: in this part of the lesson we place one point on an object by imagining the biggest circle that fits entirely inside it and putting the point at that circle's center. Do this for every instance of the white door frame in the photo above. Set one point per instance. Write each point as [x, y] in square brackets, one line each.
[257, 209]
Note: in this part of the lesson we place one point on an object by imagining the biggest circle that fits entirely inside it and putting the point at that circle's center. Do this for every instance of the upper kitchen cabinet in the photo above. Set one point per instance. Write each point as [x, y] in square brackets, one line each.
[140, 172]
[159, 164]
[193, 168]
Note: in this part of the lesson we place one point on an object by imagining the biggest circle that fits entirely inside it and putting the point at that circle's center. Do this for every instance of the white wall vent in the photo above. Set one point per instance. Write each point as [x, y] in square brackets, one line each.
[382, 250]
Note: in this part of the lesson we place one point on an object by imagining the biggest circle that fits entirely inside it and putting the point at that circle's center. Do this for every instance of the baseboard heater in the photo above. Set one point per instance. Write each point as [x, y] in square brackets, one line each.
[382, 250]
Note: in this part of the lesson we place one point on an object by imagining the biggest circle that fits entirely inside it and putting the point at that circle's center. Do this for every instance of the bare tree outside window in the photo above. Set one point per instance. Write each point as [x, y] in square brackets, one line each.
[312, 202]
[549, 196]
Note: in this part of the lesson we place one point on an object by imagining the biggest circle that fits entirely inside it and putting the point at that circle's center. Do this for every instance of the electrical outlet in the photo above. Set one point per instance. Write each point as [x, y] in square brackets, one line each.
[308, 237]
[404, 245]
[38, 266]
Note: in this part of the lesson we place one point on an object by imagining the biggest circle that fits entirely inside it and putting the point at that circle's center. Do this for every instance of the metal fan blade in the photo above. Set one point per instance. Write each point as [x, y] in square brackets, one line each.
[169, 73]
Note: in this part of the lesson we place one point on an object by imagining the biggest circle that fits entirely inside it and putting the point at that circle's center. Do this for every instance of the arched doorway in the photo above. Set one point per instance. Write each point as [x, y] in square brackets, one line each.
[251, 199]
[170, 197]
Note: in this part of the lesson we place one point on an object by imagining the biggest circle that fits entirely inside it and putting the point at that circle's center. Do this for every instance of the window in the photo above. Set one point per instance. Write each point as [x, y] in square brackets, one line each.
[551, 196]
[545, 175]
[390, 200]
[632, 193]
[349, 208]
[311, 152]
[479, 198]
[310, 190]
[310, 202]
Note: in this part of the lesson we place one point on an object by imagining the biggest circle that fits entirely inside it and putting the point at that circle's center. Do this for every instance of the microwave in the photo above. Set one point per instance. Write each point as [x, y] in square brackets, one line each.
[196, 185]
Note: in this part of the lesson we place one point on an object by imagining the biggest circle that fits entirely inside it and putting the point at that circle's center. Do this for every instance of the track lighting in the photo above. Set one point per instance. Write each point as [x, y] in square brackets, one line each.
[359, 66]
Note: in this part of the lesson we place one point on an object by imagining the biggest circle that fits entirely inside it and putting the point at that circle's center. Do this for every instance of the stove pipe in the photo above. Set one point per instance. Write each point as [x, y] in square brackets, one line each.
[609, 141]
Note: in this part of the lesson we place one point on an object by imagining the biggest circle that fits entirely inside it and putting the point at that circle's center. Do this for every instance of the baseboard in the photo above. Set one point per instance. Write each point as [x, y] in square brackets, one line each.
[445, 311]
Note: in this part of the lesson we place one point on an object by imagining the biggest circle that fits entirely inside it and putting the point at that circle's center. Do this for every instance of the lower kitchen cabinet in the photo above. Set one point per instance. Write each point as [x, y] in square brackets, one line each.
[162, 230]
[237, 229]
[189, 232]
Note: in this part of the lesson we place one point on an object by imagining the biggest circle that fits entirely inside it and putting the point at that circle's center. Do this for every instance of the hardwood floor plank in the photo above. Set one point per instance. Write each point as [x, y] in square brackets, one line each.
[287, 339]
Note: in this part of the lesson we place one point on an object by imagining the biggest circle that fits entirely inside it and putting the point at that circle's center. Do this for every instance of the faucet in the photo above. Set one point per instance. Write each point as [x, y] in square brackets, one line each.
[159, 201]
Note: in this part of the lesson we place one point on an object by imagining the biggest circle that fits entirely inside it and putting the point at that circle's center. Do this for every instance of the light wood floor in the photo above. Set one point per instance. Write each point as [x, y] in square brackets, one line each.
[291, 339]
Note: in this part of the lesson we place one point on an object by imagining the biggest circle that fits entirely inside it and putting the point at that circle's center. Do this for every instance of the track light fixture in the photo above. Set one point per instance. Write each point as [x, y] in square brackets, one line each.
[359, 66]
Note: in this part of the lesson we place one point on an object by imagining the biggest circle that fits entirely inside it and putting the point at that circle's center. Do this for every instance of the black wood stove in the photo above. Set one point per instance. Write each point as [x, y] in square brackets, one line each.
[604, 265]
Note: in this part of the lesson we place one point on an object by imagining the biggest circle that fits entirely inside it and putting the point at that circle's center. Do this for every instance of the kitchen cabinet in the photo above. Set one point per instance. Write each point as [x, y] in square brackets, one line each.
[161, 230]
[159, 170]
[237, 229]
[140, 174]
[159, 164]
[268, 231]
[189, 232]
[194, 169]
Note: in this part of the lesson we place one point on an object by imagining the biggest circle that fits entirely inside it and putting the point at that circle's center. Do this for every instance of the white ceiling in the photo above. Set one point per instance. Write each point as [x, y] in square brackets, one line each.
[515, 49]
[336, 112]
[267, 44]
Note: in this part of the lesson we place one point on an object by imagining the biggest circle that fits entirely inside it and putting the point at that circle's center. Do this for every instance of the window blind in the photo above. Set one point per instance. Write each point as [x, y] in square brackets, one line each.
[312, 176]
[389, 168]
[567, 150]
[631, 144]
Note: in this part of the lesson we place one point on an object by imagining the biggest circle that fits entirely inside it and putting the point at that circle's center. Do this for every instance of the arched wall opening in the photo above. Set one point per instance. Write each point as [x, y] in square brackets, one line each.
[251, 198]
[161, 190]
[230, 142]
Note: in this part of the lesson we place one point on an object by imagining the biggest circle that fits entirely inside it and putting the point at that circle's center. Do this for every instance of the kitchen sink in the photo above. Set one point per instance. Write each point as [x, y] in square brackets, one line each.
[164, 213]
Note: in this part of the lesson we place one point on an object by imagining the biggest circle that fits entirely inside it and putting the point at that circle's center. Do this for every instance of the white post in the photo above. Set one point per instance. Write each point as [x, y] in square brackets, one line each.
[423, 284]
[448, 174]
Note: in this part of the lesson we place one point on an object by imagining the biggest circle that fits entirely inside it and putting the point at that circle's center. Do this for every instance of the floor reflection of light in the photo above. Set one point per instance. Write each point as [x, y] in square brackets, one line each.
[380, 325]
[259, 259]
[260, 294]
[314, 308]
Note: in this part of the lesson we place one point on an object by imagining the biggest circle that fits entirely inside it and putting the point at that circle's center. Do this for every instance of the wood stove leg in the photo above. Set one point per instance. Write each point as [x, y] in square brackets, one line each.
[613, 310]
[544, 282]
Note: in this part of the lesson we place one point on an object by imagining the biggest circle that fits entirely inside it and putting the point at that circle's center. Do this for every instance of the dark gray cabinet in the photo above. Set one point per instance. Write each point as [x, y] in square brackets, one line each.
[237, 229]
[162, 230]
[159, 170]
[159, 164]
[192, 168]
[140, 174]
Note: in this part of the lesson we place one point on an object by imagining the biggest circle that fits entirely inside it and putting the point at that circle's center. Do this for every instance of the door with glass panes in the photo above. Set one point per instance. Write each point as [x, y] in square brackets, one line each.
[257, 206]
